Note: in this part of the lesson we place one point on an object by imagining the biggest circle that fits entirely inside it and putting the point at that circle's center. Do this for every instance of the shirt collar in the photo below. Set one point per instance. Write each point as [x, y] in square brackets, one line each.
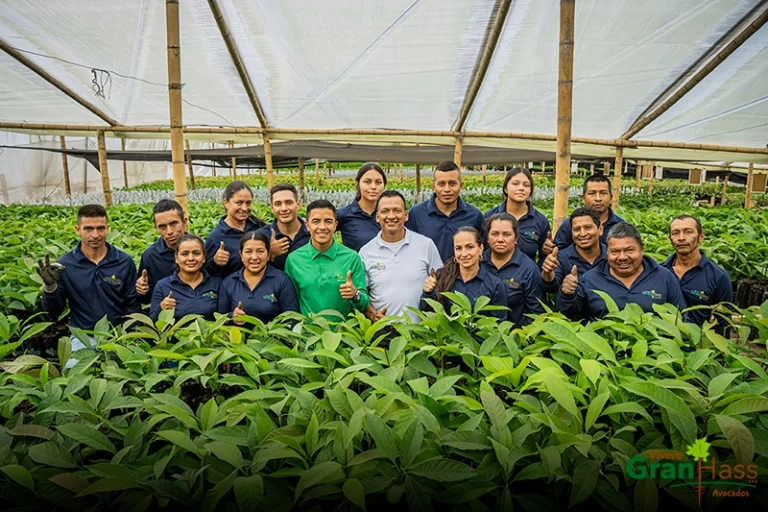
[330, 253]
[269, 272]
[354, 206]
[502, 208]
[302, 230]
[515, 260]
[407, 240]
[250, 224]
[176, 280]
[161, 246]
[703, 262]
[600, 257]
[80, 257]
[432, 206]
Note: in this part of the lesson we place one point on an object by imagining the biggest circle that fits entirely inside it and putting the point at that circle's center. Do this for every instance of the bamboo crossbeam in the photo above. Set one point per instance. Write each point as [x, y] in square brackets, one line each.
[65, 166]
[125, 164]
[174, 102]
[104, 169]
[56, 83]
[617, 177]
[190, 166]
[564, 112]
[268, 160]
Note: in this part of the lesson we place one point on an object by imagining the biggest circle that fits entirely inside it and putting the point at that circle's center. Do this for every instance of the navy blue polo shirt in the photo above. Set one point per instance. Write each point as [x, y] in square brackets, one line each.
[705, 284]
[654, 285]
[484, 284]
[564, 236]
[356, 226]
[203, 300]
[159, 261]
[302, 238]
[425, 219]
[522, 279]
[223, 232]
[273, 295]
[532, 229]
[92, 290]
[567, 258]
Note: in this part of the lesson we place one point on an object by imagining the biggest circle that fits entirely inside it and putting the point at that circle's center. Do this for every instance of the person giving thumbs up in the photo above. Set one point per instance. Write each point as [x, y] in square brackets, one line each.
[570, 282]
[348, 290]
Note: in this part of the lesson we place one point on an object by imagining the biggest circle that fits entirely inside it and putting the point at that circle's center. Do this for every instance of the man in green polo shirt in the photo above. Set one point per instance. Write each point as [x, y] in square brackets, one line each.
[326, 274]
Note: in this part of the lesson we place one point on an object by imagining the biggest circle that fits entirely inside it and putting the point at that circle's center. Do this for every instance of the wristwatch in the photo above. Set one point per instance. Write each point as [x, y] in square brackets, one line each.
[357, 296]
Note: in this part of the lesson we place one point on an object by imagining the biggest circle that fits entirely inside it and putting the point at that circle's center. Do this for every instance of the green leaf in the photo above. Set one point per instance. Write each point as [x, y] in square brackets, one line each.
[249, 490]
[443, 470]
[180, 439]
[584, 481]
[466, 440]
[679, 413]
[20, 475]
[354, 492]
[591, 369]
[598, 344]
[746, 406]
[116, 471]
[632, 407]
[31, 430]
[166, 354]
[410, 445]
[311, 435]
[51, 454]
[609, 303]
[741, 439]
[495, 410]
[322, 473]
[720, 383]
[219, 490]
[87, 435]
[381, 435]
[331, 340]
[595, 408]
[297, 362]
[646, 496]
[227, 452]
[109, 485]
[559, 390]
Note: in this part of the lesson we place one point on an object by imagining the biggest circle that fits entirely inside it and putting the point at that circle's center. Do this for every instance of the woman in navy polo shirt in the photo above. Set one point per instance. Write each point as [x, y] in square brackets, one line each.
[222, 243]
[463, 273]
[533, 226]
[190, 290]
[357, 220]
[258, 289]
[519, 273]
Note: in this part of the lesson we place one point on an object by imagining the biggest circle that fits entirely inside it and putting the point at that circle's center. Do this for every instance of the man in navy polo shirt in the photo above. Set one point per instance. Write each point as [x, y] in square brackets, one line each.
[288, 231]
[585, 253]
[627, 276]
[440, 217]
[597, 195]
[158, 260]
[702, 282]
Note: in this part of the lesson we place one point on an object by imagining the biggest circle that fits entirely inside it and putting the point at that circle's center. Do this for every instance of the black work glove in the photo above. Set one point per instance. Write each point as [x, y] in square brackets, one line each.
[50, 272]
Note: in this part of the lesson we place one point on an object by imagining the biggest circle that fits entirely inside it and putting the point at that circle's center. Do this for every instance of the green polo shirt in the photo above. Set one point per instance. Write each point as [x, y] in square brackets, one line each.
[318, 275]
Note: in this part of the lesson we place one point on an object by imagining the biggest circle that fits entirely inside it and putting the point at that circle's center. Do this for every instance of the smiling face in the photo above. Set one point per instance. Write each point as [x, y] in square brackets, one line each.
[466, 250]
[321, 223]
[685, 236]
[447, 186]
[501, 237]
[92, 231]
[586, 234]
[598, 195]
[170, 226]
[255, 256]
[190, 256]
[285, 206]
[625, 256]
[239, 205]
[391, 216]
[518, 188]
[371, 185]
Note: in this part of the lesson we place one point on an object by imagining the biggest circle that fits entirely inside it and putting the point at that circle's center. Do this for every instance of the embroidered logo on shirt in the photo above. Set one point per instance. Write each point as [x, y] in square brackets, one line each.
[512, 283]
[113, 280]
[210, 295]
[532, 235]
[652, 294]
[271, 298]
[378, 266]
[699, 294]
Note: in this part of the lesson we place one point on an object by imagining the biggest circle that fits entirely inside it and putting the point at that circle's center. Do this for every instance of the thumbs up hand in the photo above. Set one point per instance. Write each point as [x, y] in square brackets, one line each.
[278, 246]
[549, 245]
[142, 283]
[221, 258]
[550, 264]
[169, 302]
[430, 282]
[238, 312]
[375, 315]
[570, 282]
[347, 289]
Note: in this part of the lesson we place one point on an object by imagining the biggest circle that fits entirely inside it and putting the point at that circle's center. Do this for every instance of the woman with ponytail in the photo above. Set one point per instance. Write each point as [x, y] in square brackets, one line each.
[463, 273]
[357, 220]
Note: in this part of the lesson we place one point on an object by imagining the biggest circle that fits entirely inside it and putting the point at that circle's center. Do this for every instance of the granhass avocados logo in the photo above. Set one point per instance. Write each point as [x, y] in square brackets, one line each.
[724, 479]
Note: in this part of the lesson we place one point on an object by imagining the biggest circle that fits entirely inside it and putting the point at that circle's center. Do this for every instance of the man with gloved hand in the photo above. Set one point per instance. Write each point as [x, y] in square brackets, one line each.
[95, 278]
[158, 260]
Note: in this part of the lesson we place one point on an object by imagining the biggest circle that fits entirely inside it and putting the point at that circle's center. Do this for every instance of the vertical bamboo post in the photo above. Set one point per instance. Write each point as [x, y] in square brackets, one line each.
[458, 150]
[268, 160]
[617, 176]
[750, 182]
[234, 161]
[717, 180]
[725, 188]
[104, 169]
[485, 170]
[317, 173]
[564, 111]
[325, 168]
[302, 194]
[174, 102]
[65, 166]
[213, 146]
[125, 163]
[543, 167]
[606, 168]
[638, 172]
[418, 181]
[4, 189]
[402, 173]
[592, 169]
[189, 164]
[85, 170]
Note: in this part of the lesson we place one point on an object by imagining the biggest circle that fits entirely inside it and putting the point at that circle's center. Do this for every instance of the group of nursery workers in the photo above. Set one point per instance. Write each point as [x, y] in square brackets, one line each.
[392, 261]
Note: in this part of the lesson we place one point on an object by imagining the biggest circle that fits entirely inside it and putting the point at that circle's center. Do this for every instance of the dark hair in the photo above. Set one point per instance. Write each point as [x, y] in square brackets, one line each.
[189, 237]
[624, 230]
[447, 166]
[320, 204]
[233, 187]
[597, 178]
[91, 211]
[167, 205]
[699, 229]
[504, 216]
[390, 193]
[254, 235]
[514, 172]
[446, 276]
[281, 187]
[368, 166]
[586, 211]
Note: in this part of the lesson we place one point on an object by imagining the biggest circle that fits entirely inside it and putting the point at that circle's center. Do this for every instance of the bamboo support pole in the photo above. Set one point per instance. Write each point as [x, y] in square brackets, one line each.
[125, 163]
[617, 164]
[317, 173]
[213, 169]
[750, 182]
[564, 112]
[104, 169]
[4, 189]
[268, 160]
[174, 102]
[543, 167]
[65, 166]
[85, 170]
[592, 169]
[418, 181]
[302, 192]
[638, 173]
[606, 168]
[191, 168]
[725, 189]
[458, 150]
[485, 170]
[233, 171]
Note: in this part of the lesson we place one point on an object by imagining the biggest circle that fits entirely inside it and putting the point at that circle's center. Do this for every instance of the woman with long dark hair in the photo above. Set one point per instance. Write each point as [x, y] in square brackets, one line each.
[463, 273]
[222, 243]
[357, 220]
[533, 226]
[519, 273]
[190, 290]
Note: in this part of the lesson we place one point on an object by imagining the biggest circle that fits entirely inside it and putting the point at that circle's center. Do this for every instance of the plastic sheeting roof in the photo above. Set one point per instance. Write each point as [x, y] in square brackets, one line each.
[397, 64]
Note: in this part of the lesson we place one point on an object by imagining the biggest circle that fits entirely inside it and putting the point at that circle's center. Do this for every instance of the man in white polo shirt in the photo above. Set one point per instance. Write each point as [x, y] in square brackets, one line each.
[397, 260]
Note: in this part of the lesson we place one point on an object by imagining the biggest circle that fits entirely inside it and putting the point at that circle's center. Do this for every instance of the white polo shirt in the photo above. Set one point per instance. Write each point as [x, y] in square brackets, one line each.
[396, 271]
